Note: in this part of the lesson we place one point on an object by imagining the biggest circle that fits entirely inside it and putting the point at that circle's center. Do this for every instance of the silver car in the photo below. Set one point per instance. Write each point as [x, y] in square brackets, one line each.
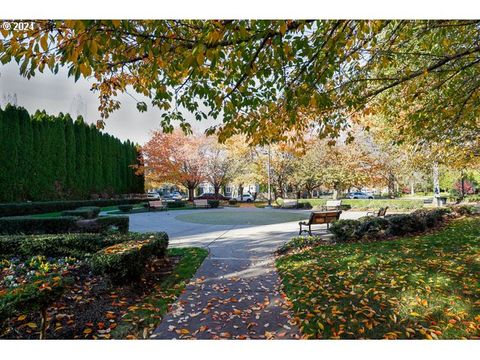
[359, 195]
[153, 195]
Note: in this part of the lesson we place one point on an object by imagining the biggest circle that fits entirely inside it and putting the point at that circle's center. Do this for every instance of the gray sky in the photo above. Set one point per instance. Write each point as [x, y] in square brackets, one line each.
[59, 93]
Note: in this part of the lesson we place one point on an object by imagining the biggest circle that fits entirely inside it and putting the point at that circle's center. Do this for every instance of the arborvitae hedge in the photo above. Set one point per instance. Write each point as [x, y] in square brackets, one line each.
[47, 157]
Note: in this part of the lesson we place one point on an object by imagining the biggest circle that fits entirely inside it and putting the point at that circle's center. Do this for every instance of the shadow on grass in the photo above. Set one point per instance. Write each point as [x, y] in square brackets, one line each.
[420, 287]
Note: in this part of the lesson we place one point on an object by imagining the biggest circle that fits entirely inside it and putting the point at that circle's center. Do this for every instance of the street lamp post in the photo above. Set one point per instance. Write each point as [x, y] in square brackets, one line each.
[268, 175]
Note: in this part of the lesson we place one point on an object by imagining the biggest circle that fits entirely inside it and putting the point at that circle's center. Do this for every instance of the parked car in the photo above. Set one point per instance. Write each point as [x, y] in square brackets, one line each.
[246, 198]
[152, 195]
[359, 195]
[212, 196]
[176, 195]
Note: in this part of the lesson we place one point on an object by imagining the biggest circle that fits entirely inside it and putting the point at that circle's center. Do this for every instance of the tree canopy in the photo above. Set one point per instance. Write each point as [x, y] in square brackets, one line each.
[271, 80]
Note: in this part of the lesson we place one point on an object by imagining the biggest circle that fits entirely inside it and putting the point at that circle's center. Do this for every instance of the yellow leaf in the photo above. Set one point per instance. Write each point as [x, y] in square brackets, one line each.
[184, 331]
[200, 58]
[32, 325]
[320, 325]
[87, 331]
[44, 43]
[22, 317]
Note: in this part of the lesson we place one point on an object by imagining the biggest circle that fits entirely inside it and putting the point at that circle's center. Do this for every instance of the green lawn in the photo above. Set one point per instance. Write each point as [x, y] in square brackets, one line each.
[418, 287]
[59, 213]
[242, 217]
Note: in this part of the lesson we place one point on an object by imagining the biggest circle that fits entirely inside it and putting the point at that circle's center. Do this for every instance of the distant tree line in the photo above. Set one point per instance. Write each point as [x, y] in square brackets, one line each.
[45, 157]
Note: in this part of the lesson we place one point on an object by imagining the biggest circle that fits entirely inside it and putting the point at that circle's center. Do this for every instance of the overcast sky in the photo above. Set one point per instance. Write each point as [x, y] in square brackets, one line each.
[59, 93]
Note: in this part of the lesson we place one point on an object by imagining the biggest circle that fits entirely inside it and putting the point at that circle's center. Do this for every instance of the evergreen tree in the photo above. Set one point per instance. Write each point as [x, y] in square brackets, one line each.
[10, 149]
[48, 157]
[81, 169]
[70, 154]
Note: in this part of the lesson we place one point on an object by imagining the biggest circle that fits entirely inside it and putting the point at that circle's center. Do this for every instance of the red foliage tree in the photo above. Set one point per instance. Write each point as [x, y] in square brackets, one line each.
[174, 158]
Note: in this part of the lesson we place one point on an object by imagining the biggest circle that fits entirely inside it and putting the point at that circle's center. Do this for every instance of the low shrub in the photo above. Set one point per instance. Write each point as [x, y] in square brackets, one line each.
[232, 202]
[432, 217]
[30, 208]
[392, 225]
[175, 204]
[404, 224]
[371, 226]
[33, 297]
[345, 230]
[30, 225]
[214, 203]
[300, 242]
[304, 205]
[104, 224]
[125, 208]
[86, 212]
[125, 262]
[464, 209]
[472, 198]
[57, 245]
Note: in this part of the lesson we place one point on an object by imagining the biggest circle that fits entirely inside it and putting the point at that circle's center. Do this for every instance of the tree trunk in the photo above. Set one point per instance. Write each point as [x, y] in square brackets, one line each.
[436, 183]
[191, 190]
[391, 186]
[412, 187]
[240, 192]
[335, 192]
[216, 189]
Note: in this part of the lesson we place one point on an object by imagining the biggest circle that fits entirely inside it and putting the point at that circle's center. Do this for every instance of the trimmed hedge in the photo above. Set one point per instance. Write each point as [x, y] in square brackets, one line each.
[214, 203]
[57, 245]
[371, 204]
[86, 212]
[62, 224]
[392, 225]
[304, 205]
[125, 262]
[31, 225]
[232, 202]
[30, 208]
[125, 208]
[175, 204]
[105, 224]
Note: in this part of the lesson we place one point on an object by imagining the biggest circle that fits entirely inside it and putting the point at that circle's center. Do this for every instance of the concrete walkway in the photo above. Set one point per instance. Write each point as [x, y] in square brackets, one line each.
[235, 293]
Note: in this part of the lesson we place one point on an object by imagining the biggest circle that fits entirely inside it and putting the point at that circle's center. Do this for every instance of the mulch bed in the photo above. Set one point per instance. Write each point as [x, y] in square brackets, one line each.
[91, 308]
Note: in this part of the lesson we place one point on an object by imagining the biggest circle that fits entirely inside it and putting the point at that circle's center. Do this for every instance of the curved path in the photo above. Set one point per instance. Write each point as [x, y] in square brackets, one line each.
[235, 293]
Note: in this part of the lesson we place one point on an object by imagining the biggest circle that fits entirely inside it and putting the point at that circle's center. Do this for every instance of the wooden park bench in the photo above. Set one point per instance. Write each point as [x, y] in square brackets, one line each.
[317, 218]
[289, 203]
[156, 204]
[332, 205]
[380, 213]
[201, 203]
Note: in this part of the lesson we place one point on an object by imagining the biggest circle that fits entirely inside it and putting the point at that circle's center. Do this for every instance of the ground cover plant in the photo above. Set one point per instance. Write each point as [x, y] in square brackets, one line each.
[424, 287]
